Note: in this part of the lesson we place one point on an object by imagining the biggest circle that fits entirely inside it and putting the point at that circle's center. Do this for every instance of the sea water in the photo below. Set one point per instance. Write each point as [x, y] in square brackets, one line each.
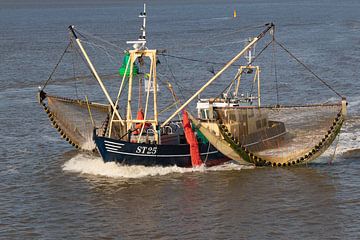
[50, 191]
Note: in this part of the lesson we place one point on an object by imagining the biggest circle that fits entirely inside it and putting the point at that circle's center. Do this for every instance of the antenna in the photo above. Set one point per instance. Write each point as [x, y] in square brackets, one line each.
[140, 43]
[250, 52]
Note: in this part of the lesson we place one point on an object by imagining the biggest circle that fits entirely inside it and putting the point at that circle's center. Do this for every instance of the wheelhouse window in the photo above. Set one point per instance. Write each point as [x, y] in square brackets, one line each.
[204, 113]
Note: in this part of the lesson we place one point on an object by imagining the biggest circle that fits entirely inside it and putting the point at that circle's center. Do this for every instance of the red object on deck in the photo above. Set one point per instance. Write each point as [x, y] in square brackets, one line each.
[138, 126]
[139, 116]
[192, 141]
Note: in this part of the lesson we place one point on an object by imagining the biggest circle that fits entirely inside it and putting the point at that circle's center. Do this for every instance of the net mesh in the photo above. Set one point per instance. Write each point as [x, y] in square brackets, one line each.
[76, 119]
[281, 135]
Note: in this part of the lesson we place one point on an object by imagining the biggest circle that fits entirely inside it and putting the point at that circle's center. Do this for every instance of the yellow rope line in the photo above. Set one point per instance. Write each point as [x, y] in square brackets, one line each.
[88, 106]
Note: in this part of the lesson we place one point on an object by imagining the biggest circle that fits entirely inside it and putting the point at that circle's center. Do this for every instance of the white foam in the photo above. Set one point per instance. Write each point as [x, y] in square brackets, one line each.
[87, 164]
[88, 145]
[348, 139]
[349, 135]
[354, 105]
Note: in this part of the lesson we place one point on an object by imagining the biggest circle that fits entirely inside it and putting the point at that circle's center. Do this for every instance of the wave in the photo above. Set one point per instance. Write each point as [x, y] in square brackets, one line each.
[88, 164]
[354, 105]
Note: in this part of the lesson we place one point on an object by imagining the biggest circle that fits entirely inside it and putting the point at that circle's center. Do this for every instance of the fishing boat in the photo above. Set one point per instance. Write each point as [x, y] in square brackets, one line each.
[142, 141]
[125, 139]
[231, 126]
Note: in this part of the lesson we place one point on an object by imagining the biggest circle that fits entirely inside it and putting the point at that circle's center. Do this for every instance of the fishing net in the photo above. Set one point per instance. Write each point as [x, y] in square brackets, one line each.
[280, 136]
[75, 120]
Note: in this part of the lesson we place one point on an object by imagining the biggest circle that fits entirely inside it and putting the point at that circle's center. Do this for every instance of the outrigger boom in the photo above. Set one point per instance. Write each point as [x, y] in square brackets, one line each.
[226, 128]
[96, 75]
[250, 45]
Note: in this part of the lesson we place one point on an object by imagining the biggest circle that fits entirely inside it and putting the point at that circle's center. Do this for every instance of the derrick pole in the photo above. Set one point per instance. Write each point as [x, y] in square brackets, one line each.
[250, 45]
[94, 72]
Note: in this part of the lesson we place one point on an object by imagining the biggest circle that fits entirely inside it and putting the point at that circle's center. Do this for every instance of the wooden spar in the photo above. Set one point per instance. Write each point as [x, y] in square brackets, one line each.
[151, 54]
[118, 97]
[251, 44]
[93, 70]
[90, 115]
[122, 84]
[155, 91]
[344, 106]
[151, 74]
[128, 108]
[257, 77]
[175, 98]
[238, 82]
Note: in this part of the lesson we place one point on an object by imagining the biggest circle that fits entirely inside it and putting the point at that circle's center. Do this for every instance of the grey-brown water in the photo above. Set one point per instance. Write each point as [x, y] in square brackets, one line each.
[49, 191]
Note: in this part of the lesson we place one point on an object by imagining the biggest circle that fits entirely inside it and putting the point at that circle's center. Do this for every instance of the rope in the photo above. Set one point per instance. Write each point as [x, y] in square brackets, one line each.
[90, 115]
[248, 156]
[173, 75]
[227, 43]
[303, 106]
[74, 70]
[275, 71]
[207, 153]
[81, 32]
[334, 154]
[238, 31]
[222, 35]
[56, 66]
[86, 63]
[196, 60]
[169, 106]
[103, 48]
[239, 73]
[308, 69]
[84, 78]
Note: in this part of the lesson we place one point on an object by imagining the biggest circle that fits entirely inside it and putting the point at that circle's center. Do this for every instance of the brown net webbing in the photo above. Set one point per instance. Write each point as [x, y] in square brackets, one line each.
[72, 119]
[283, 135]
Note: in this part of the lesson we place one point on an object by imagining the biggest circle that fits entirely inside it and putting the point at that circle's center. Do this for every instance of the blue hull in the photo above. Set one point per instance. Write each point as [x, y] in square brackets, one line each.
[128, 153]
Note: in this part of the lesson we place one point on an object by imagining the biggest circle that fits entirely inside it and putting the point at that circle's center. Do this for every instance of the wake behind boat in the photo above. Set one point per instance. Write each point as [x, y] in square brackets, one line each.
[141, 140]
[228, 127]
[129, 153]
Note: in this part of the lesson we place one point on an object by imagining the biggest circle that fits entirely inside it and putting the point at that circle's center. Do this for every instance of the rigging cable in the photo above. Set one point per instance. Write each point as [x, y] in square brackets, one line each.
[83, 33]
[308, 69]
[275, 69]
[238, 31]
[85, 62]
[222, 35]
[103, 48]
[173, 75]
[82, 57]
[56, 66]
[239, 73]
[74, 69]
[90, 114]
[194, 60]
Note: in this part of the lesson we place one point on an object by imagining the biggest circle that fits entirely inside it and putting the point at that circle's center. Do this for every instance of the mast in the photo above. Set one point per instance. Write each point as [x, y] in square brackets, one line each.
[249, 46]
[140, 51]
[140, 43]
[152, 83]
[94, 72]
[249, 68]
